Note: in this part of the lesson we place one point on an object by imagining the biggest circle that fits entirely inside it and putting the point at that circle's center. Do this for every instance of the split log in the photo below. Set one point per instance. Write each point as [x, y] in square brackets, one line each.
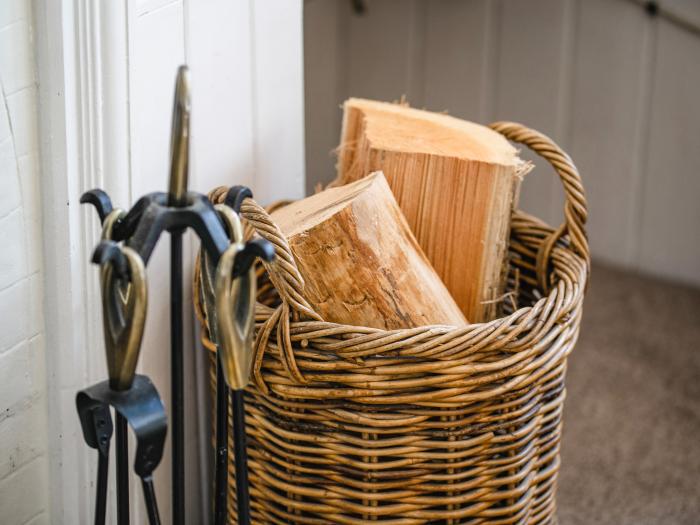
[455, 181]
[360, 262]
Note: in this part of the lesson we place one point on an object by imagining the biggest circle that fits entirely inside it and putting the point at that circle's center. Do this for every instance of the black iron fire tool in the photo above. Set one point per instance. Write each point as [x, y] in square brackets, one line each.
[140, 230]
[229, 303]
[124, 300]
[135, 400]
[235, 307]
[97, 431]
[177, 198]
[141, 407]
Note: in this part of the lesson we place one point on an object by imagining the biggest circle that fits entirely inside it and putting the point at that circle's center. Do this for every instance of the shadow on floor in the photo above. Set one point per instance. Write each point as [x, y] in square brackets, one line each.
[631, 444]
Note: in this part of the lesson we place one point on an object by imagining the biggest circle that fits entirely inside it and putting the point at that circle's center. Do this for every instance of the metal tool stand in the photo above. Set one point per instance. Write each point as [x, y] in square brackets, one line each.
[140, 230]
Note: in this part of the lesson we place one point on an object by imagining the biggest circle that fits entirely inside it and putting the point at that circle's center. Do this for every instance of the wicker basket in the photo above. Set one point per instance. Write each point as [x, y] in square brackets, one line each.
[434, 424]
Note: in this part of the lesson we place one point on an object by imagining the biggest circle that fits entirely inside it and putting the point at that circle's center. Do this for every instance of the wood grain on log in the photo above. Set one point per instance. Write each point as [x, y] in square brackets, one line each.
[361, 263]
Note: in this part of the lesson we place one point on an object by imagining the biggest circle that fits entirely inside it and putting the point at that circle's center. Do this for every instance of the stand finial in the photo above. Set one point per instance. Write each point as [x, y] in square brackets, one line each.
[180, 140]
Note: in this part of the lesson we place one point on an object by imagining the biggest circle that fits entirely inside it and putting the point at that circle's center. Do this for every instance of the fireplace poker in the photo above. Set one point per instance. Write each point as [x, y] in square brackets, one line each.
[177, 198]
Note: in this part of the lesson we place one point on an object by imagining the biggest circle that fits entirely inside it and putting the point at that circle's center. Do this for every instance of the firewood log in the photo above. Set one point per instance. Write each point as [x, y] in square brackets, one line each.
[360, 262]
[455, 181]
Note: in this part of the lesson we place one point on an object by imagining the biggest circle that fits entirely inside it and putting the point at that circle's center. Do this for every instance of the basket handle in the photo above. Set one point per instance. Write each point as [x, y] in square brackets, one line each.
[283, 271]
[575, 207]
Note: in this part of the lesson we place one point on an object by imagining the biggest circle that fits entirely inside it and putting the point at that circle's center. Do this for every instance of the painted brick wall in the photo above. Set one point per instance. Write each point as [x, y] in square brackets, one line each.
[23, 415]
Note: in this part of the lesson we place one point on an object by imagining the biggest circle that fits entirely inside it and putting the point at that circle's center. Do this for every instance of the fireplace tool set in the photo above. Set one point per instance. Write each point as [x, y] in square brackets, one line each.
[128, 240]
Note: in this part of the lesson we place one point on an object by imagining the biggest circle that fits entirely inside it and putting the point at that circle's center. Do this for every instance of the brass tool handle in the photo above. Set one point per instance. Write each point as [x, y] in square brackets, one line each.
[180, 140]
[124, 303]
[235, 307]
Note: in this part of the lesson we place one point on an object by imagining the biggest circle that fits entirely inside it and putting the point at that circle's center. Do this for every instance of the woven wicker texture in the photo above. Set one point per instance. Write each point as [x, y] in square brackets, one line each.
[432, 424]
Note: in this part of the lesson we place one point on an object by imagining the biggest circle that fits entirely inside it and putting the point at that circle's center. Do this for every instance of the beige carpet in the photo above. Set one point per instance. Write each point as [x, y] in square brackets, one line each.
[631, 445]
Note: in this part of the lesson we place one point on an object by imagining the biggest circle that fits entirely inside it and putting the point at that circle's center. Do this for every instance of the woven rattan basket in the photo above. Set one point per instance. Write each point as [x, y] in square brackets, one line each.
[433, 424]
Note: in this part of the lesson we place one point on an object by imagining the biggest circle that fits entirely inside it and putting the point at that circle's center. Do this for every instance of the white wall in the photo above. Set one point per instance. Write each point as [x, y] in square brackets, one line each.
[24, 484]
[615, 87]
[106, 72]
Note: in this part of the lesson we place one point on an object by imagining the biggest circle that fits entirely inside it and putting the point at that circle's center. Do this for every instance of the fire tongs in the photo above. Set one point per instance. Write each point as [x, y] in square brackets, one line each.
[134, 398]
[229, 306]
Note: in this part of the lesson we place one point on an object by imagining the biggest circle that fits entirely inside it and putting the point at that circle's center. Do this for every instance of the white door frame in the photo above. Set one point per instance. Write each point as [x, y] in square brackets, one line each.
[93, 60]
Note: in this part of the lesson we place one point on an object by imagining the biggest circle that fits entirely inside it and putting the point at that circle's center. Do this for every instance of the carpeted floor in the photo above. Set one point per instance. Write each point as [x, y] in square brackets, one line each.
[631, 444]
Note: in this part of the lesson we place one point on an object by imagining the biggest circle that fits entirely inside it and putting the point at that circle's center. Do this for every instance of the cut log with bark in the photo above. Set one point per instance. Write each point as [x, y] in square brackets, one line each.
[455, 181]
[360, 262]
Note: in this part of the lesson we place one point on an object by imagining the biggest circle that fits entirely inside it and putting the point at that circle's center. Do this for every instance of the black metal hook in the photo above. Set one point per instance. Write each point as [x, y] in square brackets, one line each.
[127, 225]
[96, 421]
[100, 200]
[235, 197]
[109, 252]
[253, 249]
[140, 407]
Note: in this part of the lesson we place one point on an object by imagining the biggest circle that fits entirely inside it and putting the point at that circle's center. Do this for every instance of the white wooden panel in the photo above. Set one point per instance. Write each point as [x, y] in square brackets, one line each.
[106, 75]
[684, 10]
[60, 31]
[415, 50]
[323, 91]
[581, 71]
[456, 41]
[529, 83]
[375, 54]
[156, 50]
[380, 57]
[219, 55]
[112, 87]
[670, 242]
[611, 76]
[278, 97]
